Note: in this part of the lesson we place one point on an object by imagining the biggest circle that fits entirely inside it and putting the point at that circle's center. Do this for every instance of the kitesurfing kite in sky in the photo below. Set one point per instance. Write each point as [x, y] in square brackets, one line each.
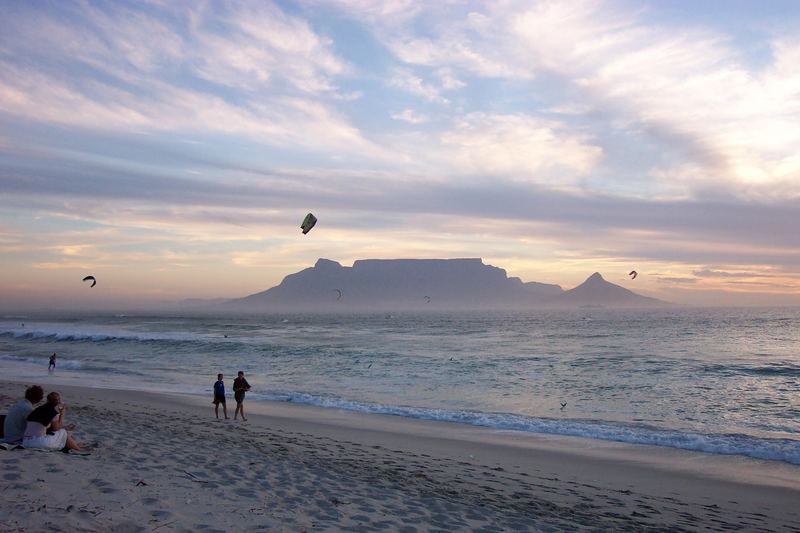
[90, 278]
[339, 294]
[308, 223]
[633, 274]
[427, 299]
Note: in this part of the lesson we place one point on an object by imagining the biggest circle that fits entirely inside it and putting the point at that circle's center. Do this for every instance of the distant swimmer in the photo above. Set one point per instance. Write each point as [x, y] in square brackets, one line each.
[92, 279]
[308, 223]
[563, 404]
[52, 365]
[369, 366]
[633, 274]
[226, 336]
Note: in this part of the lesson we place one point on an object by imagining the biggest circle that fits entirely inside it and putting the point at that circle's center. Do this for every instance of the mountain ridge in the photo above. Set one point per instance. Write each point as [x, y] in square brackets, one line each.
[463, 283]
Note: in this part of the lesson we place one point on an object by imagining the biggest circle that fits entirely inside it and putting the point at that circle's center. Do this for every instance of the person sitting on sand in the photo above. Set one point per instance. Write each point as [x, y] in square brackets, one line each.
[44, 428]
[219, 397]
[52, 365]
[240, 386]
[17, 418]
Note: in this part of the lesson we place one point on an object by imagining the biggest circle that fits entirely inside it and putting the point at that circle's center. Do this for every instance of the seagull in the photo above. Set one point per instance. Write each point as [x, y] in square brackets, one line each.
[563, 404]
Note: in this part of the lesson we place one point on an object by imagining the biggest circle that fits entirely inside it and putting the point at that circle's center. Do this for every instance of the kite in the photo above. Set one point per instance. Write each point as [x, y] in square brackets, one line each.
[633, 274]
[339, 295]
[427, 299]
[308, 223]
[94, 281]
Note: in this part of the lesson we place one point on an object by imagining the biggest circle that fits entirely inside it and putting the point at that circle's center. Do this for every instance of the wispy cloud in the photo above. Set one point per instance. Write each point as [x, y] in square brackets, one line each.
[408, 81]
[725, 122]
[410, 116]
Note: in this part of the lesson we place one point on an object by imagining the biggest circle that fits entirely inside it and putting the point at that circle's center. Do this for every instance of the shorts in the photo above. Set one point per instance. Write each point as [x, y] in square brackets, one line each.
[219, 400]
[56, 441]
[239, 396]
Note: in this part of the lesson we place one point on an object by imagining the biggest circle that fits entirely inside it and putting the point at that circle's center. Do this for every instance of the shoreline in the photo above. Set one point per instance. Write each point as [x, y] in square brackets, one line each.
[522, 480]
[773, 449]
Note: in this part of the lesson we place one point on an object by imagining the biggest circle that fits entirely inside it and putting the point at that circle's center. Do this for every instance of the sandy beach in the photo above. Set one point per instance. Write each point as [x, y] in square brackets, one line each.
[164, 463]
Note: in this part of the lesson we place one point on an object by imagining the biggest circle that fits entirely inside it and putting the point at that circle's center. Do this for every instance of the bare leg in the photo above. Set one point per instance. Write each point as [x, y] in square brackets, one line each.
[225, 411]
[241, 410]
[216, 410]
[72, 445]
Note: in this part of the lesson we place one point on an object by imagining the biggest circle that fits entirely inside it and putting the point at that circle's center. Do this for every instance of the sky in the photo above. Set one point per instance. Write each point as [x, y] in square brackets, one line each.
[171, 149]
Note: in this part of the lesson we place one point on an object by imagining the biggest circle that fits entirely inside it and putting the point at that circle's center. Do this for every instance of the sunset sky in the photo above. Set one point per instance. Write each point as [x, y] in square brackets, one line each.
[172, 149]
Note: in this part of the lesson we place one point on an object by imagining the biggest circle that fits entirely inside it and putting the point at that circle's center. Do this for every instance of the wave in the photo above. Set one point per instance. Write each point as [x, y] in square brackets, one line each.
[775, 369]
[77, 336]
[43, 361]
[786, 450]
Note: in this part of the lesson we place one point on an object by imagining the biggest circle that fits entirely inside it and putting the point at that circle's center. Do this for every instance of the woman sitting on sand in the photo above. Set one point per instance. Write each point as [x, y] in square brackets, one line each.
[44, 430]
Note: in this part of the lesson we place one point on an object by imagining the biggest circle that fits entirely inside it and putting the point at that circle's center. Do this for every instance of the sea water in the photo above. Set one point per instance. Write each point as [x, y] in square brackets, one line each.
[715, 380]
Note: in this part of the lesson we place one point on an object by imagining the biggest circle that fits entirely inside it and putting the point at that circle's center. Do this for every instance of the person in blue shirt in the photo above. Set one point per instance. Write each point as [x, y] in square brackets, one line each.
[219, 397]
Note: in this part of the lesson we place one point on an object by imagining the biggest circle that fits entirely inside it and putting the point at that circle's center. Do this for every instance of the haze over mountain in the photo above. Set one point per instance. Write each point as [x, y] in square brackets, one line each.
[428, 284]
[597, 291]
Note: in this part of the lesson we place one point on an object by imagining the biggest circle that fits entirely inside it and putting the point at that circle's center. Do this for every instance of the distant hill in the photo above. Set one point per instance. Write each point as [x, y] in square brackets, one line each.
[399, 284]
[596, 291]
[396, 284]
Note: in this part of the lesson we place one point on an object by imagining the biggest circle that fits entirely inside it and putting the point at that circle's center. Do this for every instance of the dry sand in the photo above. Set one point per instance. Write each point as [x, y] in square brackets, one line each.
[165, 464]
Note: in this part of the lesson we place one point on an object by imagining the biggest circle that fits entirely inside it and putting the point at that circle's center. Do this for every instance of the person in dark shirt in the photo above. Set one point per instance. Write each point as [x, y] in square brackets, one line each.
[52, 365]
[219, 397]
[17, 419]
[240, 386]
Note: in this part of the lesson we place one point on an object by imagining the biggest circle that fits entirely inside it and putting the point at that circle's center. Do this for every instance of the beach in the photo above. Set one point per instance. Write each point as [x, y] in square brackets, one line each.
[164, 463]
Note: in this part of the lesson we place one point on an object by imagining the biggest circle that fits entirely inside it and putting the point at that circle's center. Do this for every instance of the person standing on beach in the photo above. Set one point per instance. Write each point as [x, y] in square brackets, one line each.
[52, 365]
[240, 386]
[17, 418]
[219, 397]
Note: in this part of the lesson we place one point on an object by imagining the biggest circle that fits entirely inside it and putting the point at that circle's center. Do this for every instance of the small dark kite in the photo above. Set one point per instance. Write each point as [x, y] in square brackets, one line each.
[308, 223]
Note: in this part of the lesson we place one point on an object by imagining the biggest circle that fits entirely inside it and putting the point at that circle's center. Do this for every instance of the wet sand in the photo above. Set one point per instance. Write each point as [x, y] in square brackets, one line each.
[164, 463]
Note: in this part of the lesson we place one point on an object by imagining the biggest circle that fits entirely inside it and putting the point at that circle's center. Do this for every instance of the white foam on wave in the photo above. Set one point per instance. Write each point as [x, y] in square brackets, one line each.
[786, 450]
[42, 361]
[66, 334]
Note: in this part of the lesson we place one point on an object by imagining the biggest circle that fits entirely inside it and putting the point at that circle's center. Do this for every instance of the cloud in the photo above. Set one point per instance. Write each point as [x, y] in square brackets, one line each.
[519, 147]
[707, 273]
[406, 80]
[410, 116]
[121, 72]
[677, 280]
[248, 45]
[721, 120]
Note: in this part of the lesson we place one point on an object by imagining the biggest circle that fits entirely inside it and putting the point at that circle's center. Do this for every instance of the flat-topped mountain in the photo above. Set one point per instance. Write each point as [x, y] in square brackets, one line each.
[402, 283]
[427, 284]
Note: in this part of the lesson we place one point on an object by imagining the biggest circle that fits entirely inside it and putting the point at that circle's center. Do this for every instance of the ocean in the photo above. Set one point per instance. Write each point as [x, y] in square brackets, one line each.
[723, 381]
